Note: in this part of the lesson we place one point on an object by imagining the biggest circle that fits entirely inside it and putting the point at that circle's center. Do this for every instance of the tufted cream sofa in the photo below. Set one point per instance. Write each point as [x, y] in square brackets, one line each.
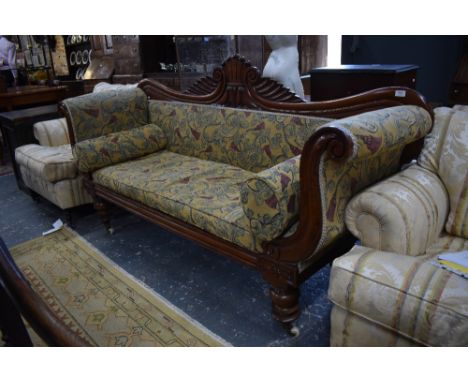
[387, 291]
[49, 168]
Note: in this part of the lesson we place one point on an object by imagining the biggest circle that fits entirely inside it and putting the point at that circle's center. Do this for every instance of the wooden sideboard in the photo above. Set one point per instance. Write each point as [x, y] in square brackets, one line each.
[345, 80]
[21, 96]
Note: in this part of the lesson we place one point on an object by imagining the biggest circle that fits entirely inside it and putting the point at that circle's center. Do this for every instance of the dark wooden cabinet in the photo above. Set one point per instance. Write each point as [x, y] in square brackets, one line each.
[459, 86]
[17, 130]
[345, 80]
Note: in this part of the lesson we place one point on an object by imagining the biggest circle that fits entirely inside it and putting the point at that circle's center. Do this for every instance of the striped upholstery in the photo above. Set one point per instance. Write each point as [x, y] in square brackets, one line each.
[49, 168]
[446, 153]
[52, 133]
[50, 163]
[405, 296]
[64, 194]
[403, 214]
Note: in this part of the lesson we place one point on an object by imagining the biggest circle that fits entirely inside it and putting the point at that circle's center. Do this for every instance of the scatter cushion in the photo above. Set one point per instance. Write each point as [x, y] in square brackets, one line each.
[50, 163]
[52, 133]
[93, 154]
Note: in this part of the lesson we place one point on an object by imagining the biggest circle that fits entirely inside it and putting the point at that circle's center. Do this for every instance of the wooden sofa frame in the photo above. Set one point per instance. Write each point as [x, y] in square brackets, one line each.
[239, 84]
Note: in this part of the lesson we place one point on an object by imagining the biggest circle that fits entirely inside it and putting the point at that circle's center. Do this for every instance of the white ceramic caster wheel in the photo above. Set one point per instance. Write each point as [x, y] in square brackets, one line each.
[294, 331]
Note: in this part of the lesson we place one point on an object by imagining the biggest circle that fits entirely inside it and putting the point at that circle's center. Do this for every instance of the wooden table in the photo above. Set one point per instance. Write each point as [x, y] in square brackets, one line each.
[344, 80]
[21, 96]
[17, 130]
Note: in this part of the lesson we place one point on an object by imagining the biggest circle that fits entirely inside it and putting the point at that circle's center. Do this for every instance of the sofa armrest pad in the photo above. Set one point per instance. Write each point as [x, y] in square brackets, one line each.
[404, 213]
[270, 199]
[96, 153]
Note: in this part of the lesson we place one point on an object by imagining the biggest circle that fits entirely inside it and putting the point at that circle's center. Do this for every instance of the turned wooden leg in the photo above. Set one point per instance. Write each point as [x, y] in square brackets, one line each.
[103, 212]
[285, 303]
[284, 293]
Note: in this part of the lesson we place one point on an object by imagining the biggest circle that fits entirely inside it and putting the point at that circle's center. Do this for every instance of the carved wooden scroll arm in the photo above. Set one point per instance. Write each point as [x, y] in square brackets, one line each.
[302, 243]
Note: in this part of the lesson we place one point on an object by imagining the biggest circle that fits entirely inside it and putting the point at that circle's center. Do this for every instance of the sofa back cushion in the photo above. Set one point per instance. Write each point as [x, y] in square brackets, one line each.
[93, 154]
[250, 139]
[52, 133]
[445, 152]
[96, 114]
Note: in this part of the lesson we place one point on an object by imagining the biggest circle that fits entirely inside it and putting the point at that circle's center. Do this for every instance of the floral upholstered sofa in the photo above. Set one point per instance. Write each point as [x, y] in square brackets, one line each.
[267, 188]
[390, 290]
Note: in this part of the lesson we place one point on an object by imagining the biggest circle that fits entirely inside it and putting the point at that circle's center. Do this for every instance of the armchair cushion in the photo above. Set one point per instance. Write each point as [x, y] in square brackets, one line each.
[270, 199]
[96, 153]
[408, 296]
[404, 213]
[446, 153]
[49, 163]
[52, 133]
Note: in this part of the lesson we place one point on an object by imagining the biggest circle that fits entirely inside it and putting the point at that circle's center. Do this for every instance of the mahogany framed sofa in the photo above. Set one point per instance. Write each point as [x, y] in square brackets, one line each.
[244, 167]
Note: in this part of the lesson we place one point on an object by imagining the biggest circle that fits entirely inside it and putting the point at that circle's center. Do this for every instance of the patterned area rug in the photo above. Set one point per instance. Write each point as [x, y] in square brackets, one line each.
[99, 300]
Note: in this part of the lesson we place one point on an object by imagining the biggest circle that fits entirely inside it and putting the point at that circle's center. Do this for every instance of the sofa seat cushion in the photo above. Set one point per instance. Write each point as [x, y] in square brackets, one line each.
[199, 192]
[50, 163]
[407, 295]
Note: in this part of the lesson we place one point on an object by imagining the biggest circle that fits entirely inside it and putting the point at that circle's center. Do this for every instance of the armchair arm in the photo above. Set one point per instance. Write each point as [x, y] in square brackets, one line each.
[402, 214]
[270, 199]
[52, 133]
[96, 114]
[93, 154]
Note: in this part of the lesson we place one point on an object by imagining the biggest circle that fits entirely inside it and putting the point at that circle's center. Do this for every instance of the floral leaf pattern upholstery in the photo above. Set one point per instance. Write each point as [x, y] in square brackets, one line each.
[270, 199]
[445, 152]
[96, 114]
[250, 139]
[199, 192]
[93, 154]
[379, 138]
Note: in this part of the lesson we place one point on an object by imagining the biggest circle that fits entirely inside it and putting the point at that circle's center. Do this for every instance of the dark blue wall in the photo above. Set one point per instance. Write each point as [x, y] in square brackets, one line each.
[436, 56]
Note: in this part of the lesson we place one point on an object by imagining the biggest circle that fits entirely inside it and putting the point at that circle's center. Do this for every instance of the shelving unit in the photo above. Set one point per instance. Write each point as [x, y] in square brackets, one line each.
[79, 52]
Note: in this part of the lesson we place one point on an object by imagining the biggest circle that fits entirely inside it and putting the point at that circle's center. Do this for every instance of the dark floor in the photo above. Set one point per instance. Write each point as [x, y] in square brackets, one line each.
[228, 298]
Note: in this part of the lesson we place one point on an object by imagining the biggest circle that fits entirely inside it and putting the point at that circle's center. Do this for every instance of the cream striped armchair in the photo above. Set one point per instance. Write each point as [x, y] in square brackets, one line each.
[49, 169]
[387, 290]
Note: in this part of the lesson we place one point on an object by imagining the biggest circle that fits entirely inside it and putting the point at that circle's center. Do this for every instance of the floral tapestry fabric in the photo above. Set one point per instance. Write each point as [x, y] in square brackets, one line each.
[270, 199]
[199, 192]
[97, 114]
[379, 138]
[93, 154]
[250, 139]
